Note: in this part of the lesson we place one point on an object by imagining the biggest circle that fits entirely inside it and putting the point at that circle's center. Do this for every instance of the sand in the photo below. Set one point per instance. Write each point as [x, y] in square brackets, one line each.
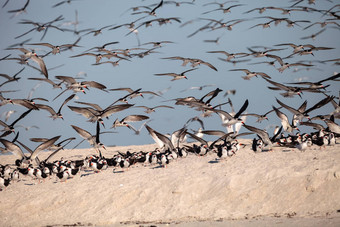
[285, 187]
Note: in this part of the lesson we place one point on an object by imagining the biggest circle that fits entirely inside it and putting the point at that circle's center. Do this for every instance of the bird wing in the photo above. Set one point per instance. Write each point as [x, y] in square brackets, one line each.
[294, 111]
[66, 101]
[43, 146]
[116, 108]
[202, 141]
[46, 107]
[15, 149]
[134, 118]
[95, 106]
[155, 137]
[283, 118]
[86, 112]
[41, 64]
[243, 108]
[82, 132]
[261, 133]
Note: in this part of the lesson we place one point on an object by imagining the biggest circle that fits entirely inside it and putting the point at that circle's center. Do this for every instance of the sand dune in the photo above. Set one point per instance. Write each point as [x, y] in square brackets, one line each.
[267, 187]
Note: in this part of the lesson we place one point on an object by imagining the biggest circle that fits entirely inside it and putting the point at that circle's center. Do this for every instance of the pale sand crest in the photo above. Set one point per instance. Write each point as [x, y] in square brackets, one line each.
[257, 189]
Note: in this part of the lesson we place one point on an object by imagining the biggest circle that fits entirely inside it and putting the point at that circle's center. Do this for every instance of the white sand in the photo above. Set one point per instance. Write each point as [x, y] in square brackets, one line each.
[271, 188]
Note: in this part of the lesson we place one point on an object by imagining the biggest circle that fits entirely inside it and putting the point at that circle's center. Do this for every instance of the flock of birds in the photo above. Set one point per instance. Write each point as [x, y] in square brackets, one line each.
[170, 147]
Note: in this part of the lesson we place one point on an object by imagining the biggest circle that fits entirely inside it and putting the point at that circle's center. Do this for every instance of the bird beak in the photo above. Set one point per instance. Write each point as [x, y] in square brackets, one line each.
[104, 147]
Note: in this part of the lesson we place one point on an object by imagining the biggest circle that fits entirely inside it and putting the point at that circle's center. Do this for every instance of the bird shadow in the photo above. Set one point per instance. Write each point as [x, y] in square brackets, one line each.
[119, 171]
[213, 161]
[86, 174]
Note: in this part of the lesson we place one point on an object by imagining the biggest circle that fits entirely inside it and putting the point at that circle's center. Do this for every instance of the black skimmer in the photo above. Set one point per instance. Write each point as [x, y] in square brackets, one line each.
[224, 10]
[55, 115]
[152, 12]
[333, 127]
[257, 145]
[22, 102]
[267, 141]
[130, 118]
[153, 109]
[301, 112]
[11, 78]
[134, 93]
[285, 122]
[72, 84]
[63, 176]
[15, 175]
[194, 61]
[162, 141]
[63, 2]
[93, 140]
[4, 183]
[175, 76]
[260, 117]
[97, 113]
[228, 119]
[19, 11]
[229, 55]
[251, 74]
[25, 160]
[8, 129]
[54, 85]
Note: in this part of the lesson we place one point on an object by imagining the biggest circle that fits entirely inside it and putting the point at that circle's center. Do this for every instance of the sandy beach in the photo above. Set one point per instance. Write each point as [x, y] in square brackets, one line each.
[285, 187]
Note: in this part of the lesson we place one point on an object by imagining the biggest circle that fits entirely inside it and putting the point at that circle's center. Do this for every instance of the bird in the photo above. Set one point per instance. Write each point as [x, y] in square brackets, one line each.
[41, 26]
[152, 109]
[251, 74]
[301, 112]
[224, 10]
[55, 115]
[4, 183]
[129, 118]
[92, 139]
[285, 122]
[54, 85]
[260, 117]
[228, 119]
[152, 12]
[161, 140]
[63, 2]
[11, 78]
[97, 113]
[175, 75]
[229, 55]
[194, 61]
[55, 48]
[267, 141]
[34, 57]
[19, 11]
[8, 129]
[23, 159]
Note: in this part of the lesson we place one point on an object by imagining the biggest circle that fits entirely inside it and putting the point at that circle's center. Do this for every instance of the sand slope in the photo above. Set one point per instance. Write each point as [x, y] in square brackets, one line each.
[275, 184]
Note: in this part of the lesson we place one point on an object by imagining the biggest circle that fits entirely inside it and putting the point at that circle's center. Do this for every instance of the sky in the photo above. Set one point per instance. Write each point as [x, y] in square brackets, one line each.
[139, 72]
